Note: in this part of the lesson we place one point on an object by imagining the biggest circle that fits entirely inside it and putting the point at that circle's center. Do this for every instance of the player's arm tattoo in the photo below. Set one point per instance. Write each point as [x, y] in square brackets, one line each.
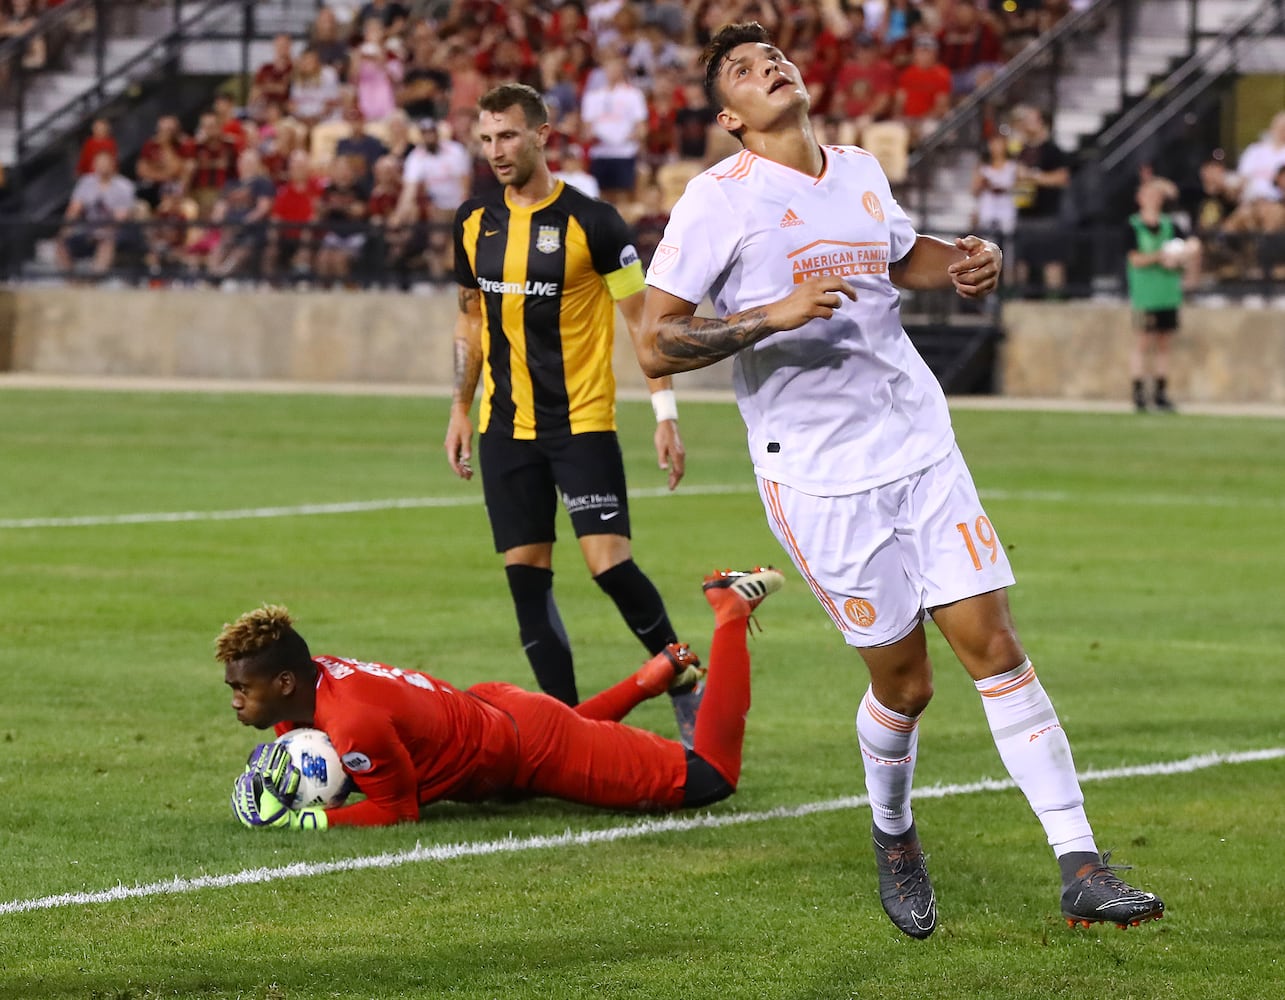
[699, 338]
[468, 353]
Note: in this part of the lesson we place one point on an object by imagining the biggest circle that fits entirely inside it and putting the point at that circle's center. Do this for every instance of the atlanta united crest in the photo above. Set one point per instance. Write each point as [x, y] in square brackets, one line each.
[548, 239]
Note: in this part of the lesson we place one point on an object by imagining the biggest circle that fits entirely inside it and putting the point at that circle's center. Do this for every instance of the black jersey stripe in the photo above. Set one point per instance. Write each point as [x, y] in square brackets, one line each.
[490, 240]
[546, 267]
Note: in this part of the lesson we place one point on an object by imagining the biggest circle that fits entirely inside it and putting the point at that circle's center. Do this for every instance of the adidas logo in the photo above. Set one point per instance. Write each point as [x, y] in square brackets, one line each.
[790, 219]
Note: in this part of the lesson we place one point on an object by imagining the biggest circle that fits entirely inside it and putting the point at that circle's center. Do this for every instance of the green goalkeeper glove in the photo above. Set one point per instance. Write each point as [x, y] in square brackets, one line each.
[271, 761]
[256, 804]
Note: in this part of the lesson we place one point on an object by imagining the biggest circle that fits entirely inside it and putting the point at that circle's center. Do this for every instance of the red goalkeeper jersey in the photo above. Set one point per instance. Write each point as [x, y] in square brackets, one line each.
[408, 739]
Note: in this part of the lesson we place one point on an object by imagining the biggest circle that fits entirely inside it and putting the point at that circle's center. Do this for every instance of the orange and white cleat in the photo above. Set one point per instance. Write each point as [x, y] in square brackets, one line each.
[747, 588]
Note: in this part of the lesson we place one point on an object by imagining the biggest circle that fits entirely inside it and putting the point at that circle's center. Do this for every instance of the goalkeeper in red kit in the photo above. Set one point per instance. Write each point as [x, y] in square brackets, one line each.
[407, 739]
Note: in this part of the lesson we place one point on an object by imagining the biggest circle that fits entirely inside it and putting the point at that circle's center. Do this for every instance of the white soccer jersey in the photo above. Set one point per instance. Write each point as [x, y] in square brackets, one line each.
[839, 405]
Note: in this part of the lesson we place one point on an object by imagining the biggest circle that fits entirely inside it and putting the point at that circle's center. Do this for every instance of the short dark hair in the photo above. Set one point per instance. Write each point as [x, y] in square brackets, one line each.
[506, 95]
[265, 640]
[715, 54]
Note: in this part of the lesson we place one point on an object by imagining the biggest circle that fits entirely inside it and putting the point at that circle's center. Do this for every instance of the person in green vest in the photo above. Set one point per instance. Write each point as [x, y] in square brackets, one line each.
[1159, 252]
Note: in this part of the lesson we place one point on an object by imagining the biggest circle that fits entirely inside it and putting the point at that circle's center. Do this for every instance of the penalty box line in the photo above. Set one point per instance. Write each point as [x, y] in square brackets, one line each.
[570, 838]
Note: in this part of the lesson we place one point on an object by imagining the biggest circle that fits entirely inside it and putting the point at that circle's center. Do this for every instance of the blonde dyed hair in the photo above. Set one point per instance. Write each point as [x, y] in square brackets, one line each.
[253, 632]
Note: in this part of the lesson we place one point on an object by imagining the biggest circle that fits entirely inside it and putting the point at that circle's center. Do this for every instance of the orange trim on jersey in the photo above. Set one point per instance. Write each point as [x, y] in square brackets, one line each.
[777, 514]
[1009, 686]
[881, 715]
[835, 243]
[739, 168]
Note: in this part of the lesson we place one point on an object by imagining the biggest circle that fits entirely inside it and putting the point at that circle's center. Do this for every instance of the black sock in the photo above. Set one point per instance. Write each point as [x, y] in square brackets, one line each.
[1072, 863]
[544, 640]
[639, 604]
[1161, 395]
[1139, 393]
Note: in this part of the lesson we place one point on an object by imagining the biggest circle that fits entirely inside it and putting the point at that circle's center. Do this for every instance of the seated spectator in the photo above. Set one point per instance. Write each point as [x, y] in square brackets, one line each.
[425, 84]
[242, 214]
[693, 121]
[166, 159]
[272, 80]
[573, 171]
[1261, 161]
[22, 17]
[101, 202]
[229, 120]
[341, 213]
[375, 73]
[971, 48]
[214, 163]
[327, 38]
[395, 134]
[166, 235]
[100, 140]
[294, 210]
[359, 147]
[277, 149]
[386, 193]
[900, 17]
[923, 90]
[866, 86]
[439, 170]
[1019, 23]
[649, 224]
[315, 90]
[390, 14]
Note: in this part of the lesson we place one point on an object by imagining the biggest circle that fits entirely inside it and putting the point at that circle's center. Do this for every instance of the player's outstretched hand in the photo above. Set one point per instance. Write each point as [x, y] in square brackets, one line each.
[977, 274]
[459, 443]
[670, 453]
[271, 761]
[256, 806]
[816, 298]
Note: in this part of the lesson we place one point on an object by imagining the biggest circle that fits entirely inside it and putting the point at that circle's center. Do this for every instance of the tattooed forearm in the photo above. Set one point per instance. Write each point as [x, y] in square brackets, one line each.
[468, 369]
[469, 300]
[704, 340]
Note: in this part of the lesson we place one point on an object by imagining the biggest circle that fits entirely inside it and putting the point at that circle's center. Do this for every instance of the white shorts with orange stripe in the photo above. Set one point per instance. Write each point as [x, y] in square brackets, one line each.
[878, 560]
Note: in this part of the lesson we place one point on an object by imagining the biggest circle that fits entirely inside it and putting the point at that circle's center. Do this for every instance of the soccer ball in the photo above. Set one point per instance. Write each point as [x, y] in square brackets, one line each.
[322, 781]
[1174, 252]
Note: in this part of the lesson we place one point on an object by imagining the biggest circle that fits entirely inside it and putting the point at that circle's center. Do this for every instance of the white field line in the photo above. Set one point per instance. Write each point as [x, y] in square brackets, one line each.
[573, 838]
[475, 499]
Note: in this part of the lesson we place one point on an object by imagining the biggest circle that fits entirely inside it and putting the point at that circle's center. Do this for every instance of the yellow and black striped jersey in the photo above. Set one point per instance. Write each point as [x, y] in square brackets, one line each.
[549, 275]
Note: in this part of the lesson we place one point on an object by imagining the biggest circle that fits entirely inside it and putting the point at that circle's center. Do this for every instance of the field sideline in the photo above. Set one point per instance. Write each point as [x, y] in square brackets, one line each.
[133, 522]
[582, 838]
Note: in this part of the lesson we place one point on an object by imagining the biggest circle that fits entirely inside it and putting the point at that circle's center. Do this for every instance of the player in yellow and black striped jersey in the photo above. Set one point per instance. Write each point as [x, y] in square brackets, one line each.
[540, 268]
[549, 275]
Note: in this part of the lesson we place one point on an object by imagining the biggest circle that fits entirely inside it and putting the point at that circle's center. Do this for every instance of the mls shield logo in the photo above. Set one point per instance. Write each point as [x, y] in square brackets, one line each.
[548, 239]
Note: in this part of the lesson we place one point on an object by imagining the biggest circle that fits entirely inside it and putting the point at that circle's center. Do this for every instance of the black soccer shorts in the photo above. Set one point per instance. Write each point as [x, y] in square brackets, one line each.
[522, 480]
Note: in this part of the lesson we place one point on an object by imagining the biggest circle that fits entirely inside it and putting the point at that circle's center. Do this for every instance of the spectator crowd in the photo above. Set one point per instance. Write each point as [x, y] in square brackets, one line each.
[344, 157]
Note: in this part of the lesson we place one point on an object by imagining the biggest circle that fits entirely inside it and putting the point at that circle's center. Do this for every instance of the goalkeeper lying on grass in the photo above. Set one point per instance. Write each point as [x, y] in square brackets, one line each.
[407, 739]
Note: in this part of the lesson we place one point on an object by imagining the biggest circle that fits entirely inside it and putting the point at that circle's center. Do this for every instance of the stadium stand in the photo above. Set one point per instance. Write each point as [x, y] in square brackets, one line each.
[337, 100]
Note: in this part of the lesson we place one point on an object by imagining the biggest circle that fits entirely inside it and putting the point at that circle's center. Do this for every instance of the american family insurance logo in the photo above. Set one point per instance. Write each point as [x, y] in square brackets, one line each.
[835, 257]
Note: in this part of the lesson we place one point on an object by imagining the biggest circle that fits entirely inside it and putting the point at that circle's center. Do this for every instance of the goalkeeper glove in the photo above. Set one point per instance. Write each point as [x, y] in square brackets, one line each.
[256, 804]
[271, 761]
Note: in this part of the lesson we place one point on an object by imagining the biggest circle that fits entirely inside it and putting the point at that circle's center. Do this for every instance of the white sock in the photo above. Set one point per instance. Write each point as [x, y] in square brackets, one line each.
[1036, 752]
[889, 743]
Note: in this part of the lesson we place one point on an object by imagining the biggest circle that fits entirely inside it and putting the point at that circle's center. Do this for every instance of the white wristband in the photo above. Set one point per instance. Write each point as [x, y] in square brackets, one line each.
[664, 405]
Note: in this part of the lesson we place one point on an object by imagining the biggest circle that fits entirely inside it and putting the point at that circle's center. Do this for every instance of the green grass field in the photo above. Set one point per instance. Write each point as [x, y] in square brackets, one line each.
[1148, 557]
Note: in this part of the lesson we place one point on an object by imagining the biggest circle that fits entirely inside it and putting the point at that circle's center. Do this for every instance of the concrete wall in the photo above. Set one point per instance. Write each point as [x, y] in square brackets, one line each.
[1066, 350]
[300, 336]
[1081, 351]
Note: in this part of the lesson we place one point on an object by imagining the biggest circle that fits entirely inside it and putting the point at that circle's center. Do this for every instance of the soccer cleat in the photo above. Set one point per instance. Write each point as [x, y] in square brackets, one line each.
[675, 669]
[905, 890]
[1098, 895]
[750, 586]
[687, 667]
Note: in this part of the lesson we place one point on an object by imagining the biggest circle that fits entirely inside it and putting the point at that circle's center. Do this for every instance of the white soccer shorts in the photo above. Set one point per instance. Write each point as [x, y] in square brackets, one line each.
[878, 560]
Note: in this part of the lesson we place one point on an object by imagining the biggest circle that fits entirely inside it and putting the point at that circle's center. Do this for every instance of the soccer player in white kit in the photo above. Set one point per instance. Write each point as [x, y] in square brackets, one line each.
[802, 249]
